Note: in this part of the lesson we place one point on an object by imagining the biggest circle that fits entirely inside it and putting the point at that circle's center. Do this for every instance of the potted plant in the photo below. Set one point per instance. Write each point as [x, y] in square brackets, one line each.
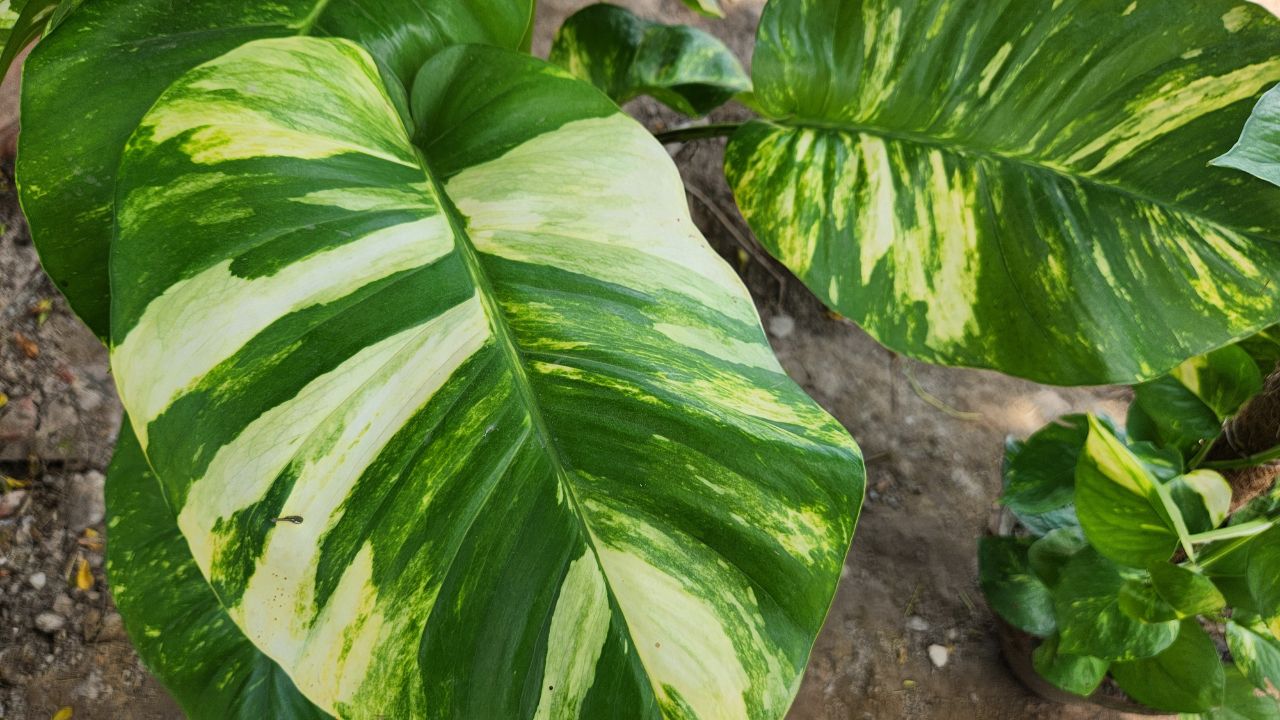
[1139, 567]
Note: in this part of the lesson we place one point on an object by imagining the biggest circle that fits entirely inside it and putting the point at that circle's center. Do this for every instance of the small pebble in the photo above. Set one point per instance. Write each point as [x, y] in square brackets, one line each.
[112, 628]
[781, 326]
[62, 605]
[38, 580]
[938, 655]
[11, 502]
[917, 623]
[49, 622]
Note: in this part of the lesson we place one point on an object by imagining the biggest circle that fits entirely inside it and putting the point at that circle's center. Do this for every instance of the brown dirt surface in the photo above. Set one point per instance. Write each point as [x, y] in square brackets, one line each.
[933, 440]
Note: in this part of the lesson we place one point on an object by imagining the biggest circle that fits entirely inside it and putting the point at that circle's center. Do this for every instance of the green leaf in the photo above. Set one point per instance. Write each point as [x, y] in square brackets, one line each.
[1181, 420]
[1077, 674]
[1223, 379]
[1018, 184]
[1264, 348]
[1118, 502]
[1257, 151]
[1090, 620]
[1010, 586]
[1139, 599]
[539, 451]
[183, 635]
[1039, 474]
[1186, 590]
[1050, 553]
[117, 57]
[1255, 650]
[1203, 498]
[1041, 524]
[685, 68]
[1240, 702]
[1186, 677]
[1263, 577]
[1186, 408]
[710, 8]
[23, 25]
[1164, 464]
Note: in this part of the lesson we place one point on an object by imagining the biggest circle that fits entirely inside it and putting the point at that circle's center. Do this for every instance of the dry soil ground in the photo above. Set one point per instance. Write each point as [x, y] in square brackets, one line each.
[932, 438]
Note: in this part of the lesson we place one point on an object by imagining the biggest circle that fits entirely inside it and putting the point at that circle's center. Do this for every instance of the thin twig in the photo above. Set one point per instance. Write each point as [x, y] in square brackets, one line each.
[933, 400]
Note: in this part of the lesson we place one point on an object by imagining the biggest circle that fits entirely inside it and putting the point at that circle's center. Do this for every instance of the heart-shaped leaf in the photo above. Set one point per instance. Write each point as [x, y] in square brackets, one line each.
[458, 420]
[1118, 502]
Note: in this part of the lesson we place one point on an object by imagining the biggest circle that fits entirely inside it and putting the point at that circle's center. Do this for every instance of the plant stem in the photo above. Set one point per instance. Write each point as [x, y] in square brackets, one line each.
[697, 132]
[1202, 453]
[1261, 458]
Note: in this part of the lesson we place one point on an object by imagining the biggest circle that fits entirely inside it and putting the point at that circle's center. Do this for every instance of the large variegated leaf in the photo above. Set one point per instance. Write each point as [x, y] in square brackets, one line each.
[535, 456]
[88, 84]
[175, 621]
[1018, 184]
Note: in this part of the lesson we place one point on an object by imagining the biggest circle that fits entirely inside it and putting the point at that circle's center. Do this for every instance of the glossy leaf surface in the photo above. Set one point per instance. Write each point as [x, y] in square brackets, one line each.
[107, 64]
[686, 69]
[455, 423]
[175, 621]
[1018, 184]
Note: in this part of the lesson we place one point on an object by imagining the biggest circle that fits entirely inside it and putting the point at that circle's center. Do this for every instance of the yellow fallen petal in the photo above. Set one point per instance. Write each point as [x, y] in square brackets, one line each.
[84, 576]
[64, 714]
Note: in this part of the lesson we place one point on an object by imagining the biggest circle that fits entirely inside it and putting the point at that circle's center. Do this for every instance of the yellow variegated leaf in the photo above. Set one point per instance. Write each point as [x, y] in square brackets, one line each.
[454, 422]
[1018, 184]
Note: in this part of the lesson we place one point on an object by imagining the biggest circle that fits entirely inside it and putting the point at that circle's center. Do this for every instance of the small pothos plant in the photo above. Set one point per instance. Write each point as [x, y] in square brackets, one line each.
[1135, 559]
[438, 403]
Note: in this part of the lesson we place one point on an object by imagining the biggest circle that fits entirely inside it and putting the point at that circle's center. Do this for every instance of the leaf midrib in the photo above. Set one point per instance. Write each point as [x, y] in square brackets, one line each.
[958, 148]
[520, 378]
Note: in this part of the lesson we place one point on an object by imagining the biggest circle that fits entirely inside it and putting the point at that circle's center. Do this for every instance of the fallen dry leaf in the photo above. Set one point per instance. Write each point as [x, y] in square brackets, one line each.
[26, 345]
[92, 540]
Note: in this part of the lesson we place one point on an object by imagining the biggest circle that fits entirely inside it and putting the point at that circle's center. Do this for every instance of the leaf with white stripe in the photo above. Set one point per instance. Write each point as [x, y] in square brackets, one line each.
[541, 459]
[1018, 184]
[173, 618]
[106, 65]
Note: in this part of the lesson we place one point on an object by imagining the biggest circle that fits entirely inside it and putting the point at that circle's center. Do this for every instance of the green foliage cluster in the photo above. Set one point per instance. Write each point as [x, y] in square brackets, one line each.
[1127, 561]
[271, 211]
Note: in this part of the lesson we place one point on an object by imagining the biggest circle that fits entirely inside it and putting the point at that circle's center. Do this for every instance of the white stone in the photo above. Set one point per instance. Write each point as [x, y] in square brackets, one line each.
[781, 326]
[49, 622]
[917, 623]
[938, 655]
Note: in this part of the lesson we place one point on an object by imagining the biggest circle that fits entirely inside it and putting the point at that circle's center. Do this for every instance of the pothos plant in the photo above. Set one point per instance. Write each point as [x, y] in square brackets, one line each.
[1134, 560]
[440, 406]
